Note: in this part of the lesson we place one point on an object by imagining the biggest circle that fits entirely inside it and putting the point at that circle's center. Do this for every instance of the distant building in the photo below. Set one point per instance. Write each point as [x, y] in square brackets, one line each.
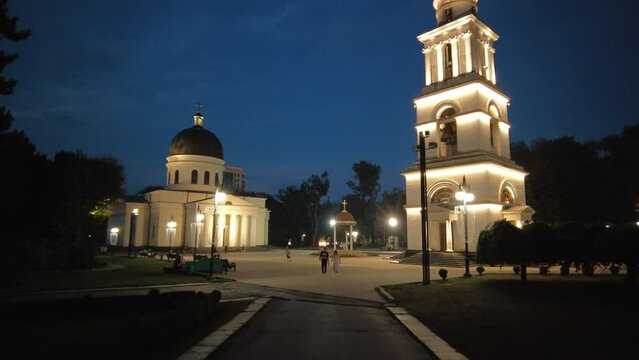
[465, 116]
[234, 179]
[181, 214]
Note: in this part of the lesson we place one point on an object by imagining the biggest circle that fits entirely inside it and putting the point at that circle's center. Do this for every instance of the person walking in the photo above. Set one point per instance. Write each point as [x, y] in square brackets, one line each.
[336, 261]
[288, 254]
[323, 257]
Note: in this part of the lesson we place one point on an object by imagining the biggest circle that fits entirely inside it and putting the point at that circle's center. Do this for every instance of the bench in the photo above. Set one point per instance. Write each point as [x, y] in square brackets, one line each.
[204, 266]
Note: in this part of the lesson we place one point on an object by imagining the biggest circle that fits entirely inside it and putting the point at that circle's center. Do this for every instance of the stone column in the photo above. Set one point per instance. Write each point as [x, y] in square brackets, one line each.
[449, 236]
[440, 62]
[468, 53]
[491, 53]
[455, 55]
[427, 65]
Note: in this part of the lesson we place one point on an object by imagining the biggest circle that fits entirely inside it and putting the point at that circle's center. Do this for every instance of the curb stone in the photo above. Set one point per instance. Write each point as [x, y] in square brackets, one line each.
[209, 344]
[440, 348]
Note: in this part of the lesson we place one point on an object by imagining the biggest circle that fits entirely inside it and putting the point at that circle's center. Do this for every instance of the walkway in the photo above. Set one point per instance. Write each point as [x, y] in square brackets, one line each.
[309, 330]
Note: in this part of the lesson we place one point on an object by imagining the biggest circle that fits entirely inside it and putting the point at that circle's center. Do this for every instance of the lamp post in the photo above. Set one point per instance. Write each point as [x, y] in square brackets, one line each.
[423, 186]
[332, 222]
[219, 197]
[114, 237]
[303, 243]
[198, 219]
[170, 228]
[465, 196]
[392, 222]
[134, 220]
[354, 233]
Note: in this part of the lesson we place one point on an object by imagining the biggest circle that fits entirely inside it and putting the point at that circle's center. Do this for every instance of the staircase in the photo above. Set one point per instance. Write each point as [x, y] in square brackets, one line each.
[437, 258]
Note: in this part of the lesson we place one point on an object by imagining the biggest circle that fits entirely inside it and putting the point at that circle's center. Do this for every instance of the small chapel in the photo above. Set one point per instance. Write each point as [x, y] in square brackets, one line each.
[193, 210]
[464, 116]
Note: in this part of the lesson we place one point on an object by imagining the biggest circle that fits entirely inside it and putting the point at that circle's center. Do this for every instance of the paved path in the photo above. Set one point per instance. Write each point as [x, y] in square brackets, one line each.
[309, 330]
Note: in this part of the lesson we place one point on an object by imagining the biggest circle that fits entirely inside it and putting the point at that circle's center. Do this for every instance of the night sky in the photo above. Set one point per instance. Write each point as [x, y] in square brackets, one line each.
[293, 88]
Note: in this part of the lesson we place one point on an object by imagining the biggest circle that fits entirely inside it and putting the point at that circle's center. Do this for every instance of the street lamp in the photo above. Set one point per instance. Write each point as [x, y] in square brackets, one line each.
[134, 220]
[354, 233]
[219, 197]
[423, 187]
[114, 236]
[303, 243]
[198, 220]
[170, 228]
[332, 222]
[464, 195]
[392, 222]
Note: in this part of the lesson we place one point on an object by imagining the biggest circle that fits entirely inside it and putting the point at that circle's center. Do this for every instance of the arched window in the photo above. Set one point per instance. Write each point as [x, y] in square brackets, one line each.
[207, 177]
[507, 196]
[447, 113]
[442, 196]
[177, 176]
[194, 177]
[217, 180]
[493, 110]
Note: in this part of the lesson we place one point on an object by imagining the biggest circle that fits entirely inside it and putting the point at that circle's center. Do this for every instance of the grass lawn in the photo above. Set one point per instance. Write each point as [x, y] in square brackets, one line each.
[495, 316]
[120, 272]
[83, 330]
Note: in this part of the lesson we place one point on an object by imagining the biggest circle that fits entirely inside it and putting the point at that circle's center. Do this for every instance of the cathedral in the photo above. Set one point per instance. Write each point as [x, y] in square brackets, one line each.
[464, 116]
[192, 210]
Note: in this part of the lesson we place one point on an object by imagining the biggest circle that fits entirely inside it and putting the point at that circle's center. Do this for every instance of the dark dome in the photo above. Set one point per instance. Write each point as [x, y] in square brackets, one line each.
[196, 141]
[344, 217]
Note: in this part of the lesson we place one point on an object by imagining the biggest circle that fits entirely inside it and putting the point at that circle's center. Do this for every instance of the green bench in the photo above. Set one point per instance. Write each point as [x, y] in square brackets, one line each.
[203, 266]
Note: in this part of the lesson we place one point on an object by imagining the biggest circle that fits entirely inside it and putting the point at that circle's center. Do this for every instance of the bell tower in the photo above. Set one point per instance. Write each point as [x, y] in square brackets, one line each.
[465, 116]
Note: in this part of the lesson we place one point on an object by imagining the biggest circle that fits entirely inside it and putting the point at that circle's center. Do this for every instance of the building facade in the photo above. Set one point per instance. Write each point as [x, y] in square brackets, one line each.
[181, 214]
[234, 179]
[464, 115]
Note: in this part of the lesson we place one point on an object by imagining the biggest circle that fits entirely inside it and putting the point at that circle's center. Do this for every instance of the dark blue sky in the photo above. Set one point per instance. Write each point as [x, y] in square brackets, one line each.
[293, 88]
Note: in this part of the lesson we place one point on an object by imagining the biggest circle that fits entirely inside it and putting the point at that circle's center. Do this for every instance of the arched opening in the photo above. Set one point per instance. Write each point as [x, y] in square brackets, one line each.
[507, 196]
[207, 178]
[194, 177]
[442, 196]
[493, 110]
[177, 176]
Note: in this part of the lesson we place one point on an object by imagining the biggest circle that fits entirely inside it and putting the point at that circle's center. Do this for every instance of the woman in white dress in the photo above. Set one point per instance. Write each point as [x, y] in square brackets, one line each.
[336, 261]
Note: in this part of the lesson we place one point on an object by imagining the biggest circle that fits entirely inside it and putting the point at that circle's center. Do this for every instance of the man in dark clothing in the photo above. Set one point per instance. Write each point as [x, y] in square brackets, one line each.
[324, 259]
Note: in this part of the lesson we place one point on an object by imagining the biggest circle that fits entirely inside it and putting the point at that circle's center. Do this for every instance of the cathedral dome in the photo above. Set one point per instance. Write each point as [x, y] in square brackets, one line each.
[196, 141]
[344, 217]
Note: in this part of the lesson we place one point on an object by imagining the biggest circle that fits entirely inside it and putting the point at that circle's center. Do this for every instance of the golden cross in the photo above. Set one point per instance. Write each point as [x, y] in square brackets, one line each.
[344, 203]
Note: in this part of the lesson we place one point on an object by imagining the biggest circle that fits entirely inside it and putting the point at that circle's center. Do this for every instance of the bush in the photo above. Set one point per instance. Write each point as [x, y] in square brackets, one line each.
[588, 269]
[516, 269]
[480, 270]
[443, 273]
[543, 270]
[565, 268]
[614, 269]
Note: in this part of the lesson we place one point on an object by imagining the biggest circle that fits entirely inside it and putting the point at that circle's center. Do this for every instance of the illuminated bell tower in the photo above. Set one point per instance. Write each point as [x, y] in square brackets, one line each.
[465, 116]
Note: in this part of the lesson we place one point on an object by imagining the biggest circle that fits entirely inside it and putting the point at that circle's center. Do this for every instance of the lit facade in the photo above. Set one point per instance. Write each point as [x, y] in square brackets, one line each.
[466, 116]
[169, 217]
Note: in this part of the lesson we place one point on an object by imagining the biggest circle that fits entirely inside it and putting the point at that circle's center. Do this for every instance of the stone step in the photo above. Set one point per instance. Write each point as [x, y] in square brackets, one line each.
[436, 258]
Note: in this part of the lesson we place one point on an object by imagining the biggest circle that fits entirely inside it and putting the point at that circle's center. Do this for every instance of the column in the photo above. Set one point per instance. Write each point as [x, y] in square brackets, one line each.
[440, 62]
[449, 236]
[232, 229]
[468, 53]
[254, 230]
[487, 72]
[455, 54]
[427, 72]
[491, 53]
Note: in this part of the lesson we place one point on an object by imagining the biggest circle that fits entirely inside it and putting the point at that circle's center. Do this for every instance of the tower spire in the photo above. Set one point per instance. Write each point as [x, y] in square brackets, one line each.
[198, 118]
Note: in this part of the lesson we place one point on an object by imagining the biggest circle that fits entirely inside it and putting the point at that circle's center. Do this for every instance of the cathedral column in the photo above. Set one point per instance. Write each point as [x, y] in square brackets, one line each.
[491, 56]
[427, 65]
[468, 53]
[487, 67]
[455, 55]
[449, 236]
[232, 229]
[440, 62]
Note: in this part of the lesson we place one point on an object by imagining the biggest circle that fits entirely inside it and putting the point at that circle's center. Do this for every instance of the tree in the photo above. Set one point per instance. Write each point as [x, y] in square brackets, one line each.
[365, 186]
[504, 243]
[392, 205]
[314, 189]
[8, 31]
